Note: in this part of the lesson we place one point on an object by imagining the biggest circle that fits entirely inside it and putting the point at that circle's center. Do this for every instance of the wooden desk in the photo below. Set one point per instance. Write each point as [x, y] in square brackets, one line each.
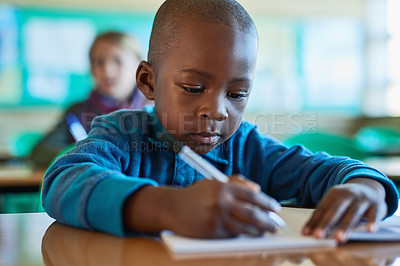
[25, 241]
[20, 180]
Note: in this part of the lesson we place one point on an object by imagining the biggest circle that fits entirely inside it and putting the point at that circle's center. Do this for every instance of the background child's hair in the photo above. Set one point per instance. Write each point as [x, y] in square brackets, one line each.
[124, 40]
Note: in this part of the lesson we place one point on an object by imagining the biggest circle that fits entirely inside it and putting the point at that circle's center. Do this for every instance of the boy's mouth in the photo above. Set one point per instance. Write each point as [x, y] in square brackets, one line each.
[206, 137]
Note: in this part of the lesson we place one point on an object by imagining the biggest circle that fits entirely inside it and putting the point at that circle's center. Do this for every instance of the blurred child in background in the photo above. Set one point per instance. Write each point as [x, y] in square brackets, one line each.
[114, 57]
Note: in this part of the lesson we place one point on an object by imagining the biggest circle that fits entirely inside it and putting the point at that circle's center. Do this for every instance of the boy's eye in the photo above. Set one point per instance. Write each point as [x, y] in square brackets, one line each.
[197, 89]
[237, 96]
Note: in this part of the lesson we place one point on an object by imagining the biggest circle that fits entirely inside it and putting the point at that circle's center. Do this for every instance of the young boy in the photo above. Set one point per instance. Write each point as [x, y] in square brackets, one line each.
[124, 179]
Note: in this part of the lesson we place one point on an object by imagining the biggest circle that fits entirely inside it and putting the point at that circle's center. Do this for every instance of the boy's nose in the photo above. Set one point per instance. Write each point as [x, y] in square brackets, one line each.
[214, 110]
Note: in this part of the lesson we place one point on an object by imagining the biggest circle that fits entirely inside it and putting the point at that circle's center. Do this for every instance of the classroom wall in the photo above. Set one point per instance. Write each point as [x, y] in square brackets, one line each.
[270, 7]
[16, 120]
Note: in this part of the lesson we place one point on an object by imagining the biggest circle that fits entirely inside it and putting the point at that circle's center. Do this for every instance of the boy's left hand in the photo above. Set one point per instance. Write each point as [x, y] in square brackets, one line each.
[343, 208]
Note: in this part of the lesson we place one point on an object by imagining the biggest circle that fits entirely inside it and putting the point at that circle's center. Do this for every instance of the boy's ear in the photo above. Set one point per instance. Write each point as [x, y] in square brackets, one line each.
[145, 79]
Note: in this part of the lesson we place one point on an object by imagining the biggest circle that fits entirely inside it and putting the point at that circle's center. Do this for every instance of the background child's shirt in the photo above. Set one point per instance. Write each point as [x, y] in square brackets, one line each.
[88, 186]
[97, 104]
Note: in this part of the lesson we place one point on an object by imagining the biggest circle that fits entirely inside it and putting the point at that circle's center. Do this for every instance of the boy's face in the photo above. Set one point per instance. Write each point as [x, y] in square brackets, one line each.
[202, 86]
[113, 69]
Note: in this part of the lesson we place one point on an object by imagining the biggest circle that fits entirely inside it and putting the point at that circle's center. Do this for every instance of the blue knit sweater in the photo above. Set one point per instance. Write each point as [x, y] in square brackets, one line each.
[87, 187]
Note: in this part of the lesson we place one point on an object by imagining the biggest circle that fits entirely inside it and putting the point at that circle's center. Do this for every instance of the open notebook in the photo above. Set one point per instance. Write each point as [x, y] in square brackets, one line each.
[389, 231]
[287, 239]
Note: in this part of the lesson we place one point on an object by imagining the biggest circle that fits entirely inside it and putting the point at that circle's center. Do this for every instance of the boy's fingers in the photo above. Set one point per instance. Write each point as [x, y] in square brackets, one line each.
[259, 199]
[249, 214]
[325, 218]
[235, 227]
[374, 216]
[309, 226]
[316, 217]
[242, 181]
[372, 219]
[349, 221]
[250, 207]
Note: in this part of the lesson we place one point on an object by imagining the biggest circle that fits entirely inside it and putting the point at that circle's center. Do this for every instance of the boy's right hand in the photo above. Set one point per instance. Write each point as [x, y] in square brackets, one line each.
[211, 209]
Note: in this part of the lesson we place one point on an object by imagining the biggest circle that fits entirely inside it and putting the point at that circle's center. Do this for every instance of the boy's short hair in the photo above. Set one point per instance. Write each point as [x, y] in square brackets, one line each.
[124, 40]
[174, 13]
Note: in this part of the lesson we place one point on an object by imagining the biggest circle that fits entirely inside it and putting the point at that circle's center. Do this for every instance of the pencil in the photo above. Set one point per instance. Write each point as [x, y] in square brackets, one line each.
[208, 170]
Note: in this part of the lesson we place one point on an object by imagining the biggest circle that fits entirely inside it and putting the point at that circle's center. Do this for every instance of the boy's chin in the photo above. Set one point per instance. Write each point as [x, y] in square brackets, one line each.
[202, 148]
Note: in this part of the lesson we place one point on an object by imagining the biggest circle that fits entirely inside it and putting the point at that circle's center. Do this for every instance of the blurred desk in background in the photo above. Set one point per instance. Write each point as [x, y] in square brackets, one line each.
[389, 165]
[20, 188]
[20, 179]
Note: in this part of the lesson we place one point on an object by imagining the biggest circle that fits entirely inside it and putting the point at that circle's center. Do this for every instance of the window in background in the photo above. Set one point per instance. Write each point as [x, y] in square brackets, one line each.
[393, 56]
[312, 63]
[44, 52]
[10, 72]
[276, 83]
[332, 65]
[327, 62]
[55, 50]
[376, 88]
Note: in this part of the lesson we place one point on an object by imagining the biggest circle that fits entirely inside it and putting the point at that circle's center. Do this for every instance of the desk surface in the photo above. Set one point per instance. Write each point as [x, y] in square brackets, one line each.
[33, 239]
